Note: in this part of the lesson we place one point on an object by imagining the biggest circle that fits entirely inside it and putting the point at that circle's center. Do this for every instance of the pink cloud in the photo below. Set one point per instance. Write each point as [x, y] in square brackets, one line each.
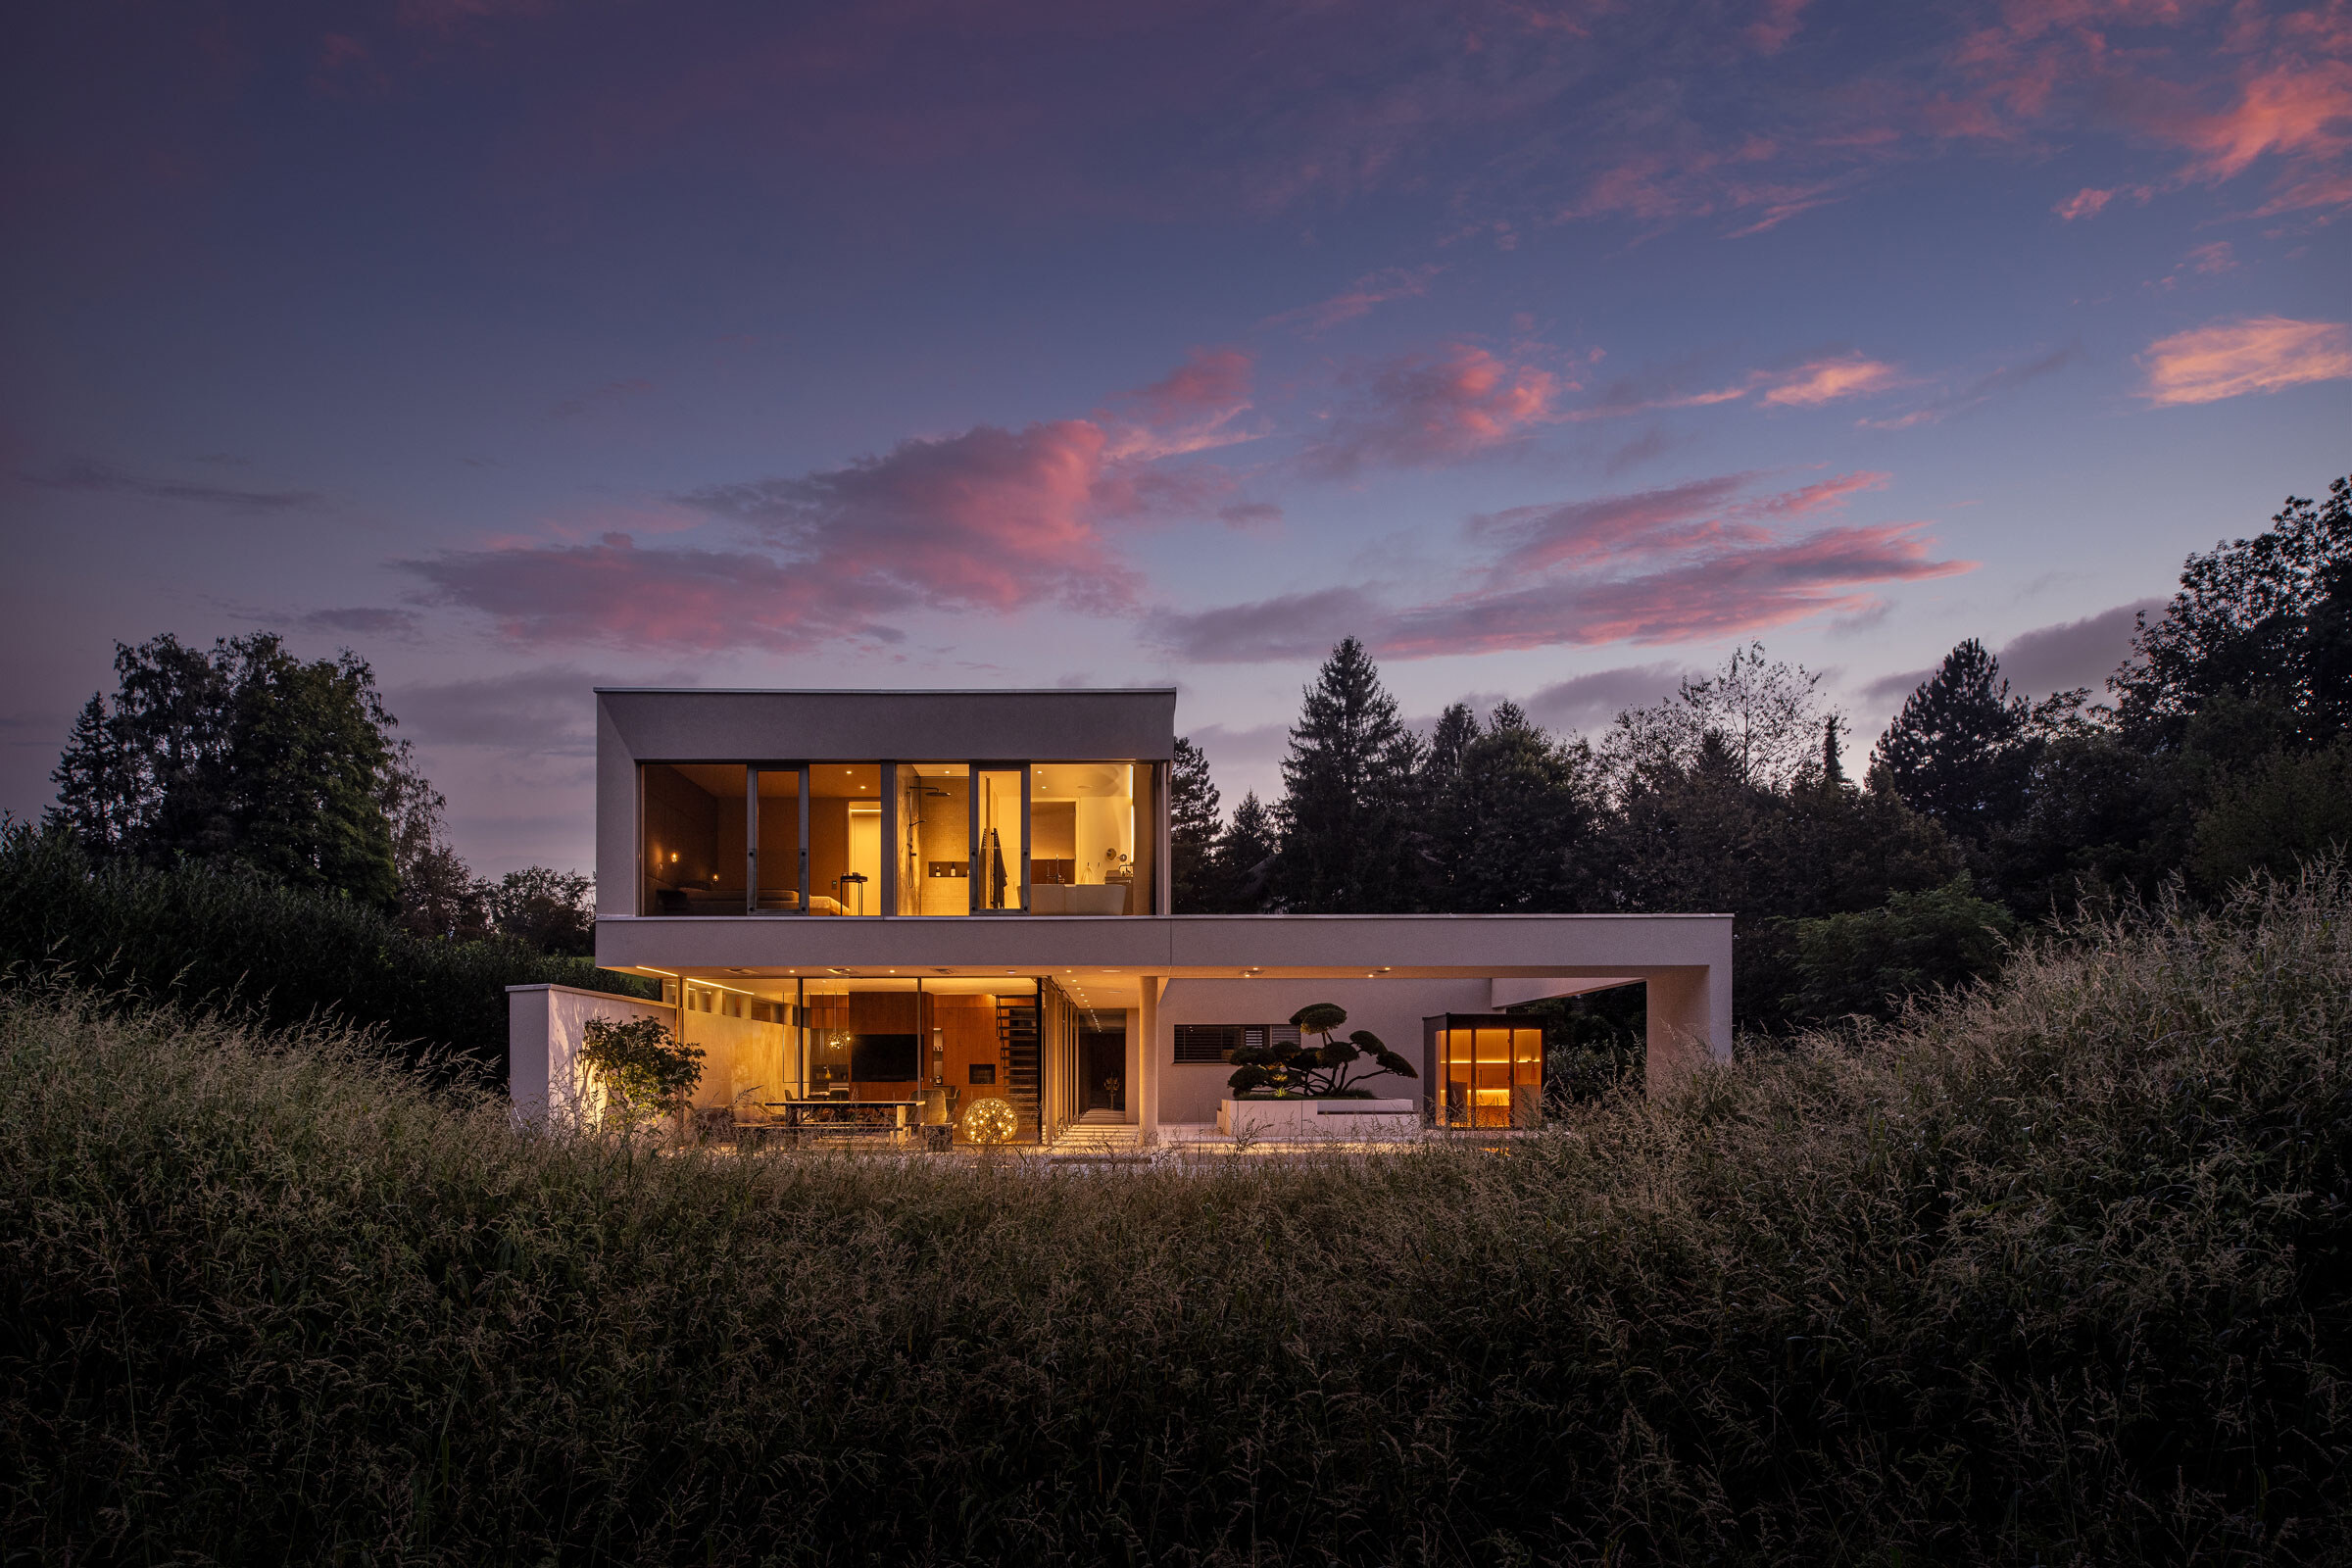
[2297, 109]
[2269, 88]
[1849, 376]
[1811, 384]
[1209, 382]
[1539, 538]
[1359, 299]
[1423, 409]
[2257, 354]
[1739, 587]
[1971, 394]
[2085, 203]
[1692, 563]
[1771, 31]
[1617, 528]
[991, 520]
[2212, 259]
[1194, 407]
[683, 600]
[1657, 185]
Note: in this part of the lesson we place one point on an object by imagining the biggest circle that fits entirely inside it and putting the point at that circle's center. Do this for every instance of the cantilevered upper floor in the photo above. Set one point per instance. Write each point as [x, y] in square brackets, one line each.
[864, 804]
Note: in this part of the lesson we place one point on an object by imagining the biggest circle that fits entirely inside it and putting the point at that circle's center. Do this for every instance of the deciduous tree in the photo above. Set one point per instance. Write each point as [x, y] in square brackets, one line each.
[2267, 619]
[245, 754]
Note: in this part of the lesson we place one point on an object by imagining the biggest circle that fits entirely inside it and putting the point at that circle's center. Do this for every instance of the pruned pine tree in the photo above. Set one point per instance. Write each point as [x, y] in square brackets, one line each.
[1347, 786]
[1192, 832]
[1958, 752]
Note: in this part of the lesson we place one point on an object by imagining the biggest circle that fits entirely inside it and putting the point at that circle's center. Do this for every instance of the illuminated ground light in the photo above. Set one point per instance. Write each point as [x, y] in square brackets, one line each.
[990, 1120]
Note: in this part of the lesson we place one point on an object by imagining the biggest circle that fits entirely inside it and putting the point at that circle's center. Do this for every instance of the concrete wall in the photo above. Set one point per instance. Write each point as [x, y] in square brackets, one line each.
[543, 1047]
[739, 1056]
[1391, 1008]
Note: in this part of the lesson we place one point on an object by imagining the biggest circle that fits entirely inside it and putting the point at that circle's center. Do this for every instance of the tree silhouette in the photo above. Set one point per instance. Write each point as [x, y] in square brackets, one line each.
[1956, 751]
[1348, 785]
[243, 754]
[2266, 620]
[1192, 832]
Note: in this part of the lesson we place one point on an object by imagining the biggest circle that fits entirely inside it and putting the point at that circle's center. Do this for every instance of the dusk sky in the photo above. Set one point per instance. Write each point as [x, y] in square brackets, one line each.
[1553, 350]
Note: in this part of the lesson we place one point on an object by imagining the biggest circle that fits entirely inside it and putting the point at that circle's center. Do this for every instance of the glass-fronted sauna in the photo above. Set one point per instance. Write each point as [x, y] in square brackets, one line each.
[1485, 1070]
[906, 838]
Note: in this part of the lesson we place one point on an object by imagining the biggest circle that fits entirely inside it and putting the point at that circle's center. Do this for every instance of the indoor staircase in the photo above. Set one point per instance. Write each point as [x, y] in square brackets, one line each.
[1018, 1049]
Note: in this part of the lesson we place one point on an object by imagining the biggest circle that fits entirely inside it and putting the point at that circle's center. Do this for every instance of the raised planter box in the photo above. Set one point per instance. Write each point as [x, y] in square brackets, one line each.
[1307, 1121]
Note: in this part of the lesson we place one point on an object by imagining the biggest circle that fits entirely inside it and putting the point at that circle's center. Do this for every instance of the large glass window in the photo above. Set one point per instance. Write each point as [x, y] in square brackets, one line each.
[844, 838]
[935, 856]
[1093, 838]
[1489, 1070]
[868, 1039]
[777, 867]
[694, 839]
[834, 838]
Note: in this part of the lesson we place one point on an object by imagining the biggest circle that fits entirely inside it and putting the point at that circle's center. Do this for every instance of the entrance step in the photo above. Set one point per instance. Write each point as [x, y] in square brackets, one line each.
[1098, 1132]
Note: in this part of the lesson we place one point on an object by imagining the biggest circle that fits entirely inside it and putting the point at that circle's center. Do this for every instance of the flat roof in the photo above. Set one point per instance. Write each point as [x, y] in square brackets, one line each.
[1047, 724]
[897, 691]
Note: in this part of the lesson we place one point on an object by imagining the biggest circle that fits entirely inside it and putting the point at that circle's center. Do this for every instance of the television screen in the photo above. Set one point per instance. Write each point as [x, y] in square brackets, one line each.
[885, 1058]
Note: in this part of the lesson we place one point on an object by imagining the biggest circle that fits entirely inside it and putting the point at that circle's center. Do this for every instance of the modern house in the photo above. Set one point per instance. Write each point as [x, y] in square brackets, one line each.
[947, 906]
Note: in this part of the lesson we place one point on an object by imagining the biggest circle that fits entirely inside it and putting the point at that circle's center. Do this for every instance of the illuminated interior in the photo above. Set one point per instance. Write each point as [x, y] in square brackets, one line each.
[1488, 1070]
[820, 1050]
[956, 838]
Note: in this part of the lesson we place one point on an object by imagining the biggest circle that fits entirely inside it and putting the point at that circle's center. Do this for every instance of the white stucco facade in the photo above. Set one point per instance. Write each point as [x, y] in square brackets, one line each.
[1139, 975]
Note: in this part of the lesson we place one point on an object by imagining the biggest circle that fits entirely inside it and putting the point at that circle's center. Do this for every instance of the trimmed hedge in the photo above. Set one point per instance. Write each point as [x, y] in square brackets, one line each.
[210, 936]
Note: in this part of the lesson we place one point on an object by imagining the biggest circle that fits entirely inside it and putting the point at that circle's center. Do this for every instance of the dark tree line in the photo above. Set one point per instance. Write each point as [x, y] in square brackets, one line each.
[248, 759]
[2223, 750]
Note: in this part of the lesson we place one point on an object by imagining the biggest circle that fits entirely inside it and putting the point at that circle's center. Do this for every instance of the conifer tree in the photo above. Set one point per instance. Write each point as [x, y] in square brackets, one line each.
[1445, 827]
[1455, 729]
[1524, 807]
[1245, 858]
[1957, 751]
[1192, 831]
[1347, 783]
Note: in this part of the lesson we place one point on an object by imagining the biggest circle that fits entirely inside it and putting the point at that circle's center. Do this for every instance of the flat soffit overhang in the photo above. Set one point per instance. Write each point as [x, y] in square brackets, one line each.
[1402, 946]
[693, 724]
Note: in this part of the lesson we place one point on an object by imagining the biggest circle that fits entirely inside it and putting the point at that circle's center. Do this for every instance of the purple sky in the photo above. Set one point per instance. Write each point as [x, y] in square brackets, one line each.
[1552, 349]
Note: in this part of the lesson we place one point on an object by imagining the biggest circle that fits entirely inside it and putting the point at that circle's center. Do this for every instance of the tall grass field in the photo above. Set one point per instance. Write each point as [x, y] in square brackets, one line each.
[2051, 1273]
